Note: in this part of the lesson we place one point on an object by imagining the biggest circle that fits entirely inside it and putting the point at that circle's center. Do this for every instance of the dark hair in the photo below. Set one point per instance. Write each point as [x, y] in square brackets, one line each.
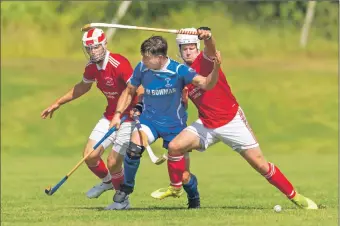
[155, 45]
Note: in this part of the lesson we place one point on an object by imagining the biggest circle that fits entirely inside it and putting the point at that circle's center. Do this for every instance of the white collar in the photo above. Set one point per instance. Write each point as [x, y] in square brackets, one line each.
[106, 59]
[164, 68]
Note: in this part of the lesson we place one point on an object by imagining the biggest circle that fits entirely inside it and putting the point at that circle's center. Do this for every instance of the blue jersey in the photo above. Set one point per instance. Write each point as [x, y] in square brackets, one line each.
[163, 92]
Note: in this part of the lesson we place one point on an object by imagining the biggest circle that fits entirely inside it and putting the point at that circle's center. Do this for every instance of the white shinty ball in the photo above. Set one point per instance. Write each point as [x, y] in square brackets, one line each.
[277, 208]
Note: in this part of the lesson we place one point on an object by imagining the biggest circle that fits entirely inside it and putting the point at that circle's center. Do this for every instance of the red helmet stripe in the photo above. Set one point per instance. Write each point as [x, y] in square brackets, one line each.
[89, 42]
[101, 38]
[90, 33]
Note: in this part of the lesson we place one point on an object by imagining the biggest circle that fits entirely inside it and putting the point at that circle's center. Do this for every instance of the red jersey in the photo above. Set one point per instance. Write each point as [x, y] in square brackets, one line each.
[111, 79]
[218, 106]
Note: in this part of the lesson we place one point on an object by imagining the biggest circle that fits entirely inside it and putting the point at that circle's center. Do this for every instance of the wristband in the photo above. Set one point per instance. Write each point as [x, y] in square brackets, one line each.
[139, 107]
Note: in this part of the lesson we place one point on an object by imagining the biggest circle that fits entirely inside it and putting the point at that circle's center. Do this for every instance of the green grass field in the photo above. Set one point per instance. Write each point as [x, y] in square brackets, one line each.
[292, 106]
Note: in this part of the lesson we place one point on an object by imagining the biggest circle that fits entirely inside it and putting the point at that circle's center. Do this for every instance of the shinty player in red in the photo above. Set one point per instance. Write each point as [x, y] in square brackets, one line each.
[220, 119]
[111, 72]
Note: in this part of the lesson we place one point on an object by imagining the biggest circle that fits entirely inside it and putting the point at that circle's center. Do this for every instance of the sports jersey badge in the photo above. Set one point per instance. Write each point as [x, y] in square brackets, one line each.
[109, 81]
[168, 85]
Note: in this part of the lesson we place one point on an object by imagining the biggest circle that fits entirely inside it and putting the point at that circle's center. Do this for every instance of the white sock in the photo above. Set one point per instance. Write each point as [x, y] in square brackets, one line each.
[107, 178]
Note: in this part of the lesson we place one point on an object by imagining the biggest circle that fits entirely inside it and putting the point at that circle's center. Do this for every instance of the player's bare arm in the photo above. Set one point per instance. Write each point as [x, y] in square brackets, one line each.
[204, 33]
[138, 108]
[123, 102]
[210, 81]
[140, 93]
[78, 90]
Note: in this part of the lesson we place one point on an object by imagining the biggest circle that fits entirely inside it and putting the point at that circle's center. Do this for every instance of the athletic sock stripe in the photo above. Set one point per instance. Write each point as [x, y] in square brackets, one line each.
[271, 171]
[176, 184]
[175, 158]
[94, 166]
[117, 175]
[291, 195]
[107, 178]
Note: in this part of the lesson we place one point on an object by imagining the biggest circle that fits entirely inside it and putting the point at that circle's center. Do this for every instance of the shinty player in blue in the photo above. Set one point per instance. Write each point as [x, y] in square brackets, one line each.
[163, 113]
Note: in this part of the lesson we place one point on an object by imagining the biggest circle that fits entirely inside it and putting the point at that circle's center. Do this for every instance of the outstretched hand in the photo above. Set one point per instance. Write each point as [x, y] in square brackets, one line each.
[49, 111]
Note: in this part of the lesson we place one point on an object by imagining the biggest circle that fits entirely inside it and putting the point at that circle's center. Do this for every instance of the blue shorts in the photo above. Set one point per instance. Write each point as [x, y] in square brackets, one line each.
[154, 131]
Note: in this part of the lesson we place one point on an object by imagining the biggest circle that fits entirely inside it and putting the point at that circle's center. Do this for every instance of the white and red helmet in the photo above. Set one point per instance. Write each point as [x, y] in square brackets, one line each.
[187, 39]
[92, 39]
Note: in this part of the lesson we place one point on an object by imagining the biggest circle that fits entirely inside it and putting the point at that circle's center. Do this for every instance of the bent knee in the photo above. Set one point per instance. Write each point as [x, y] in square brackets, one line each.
[111, 161]
[174, 148]
[93, 157]
[114, 163]
[135, 151]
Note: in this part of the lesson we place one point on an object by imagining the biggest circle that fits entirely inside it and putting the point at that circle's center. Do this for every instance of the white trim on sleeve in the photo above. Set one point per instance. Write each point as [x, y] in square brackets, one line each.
[87, 80]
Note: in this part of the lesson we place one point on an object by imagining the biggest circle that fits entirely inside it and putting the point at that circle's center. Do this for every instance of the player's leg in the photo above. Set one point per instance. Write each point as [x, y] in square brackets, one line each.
[177, 148]
[173, 144]
[275, 177]
[135, 150]
[131, 164]
[115, 160]
[187, 140]
[116, 156]
[195, 136]
[184, 142]
[95, 162]
[181, 142]
[240, 137]
[186, 174]
[190, 185]
[115, 166]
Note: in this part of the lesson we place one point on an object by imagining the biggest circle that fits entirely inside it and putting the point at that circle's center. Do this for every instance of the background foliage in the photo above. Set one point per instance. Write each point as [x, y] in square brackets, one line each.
[289, 94]
[52, 28]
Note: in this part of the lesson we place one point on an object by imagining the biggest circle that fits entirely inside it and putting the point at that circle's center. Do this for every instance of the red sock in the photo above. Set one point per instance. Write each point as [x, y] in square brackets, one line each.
[100, 169]
[117, 179]
[276, 178]
[176, 167]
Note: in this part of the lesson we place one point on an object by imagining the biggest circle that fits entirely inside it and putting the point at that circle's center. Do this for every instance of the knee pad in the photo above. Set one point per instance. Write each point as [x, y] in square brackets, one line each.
[135, 151]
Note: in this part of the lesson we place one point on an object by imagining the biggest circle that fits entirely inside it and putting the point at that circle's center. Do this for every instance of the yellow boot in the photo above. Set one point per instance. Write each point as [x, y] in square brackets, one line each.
[167, 192]
[304, 202]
